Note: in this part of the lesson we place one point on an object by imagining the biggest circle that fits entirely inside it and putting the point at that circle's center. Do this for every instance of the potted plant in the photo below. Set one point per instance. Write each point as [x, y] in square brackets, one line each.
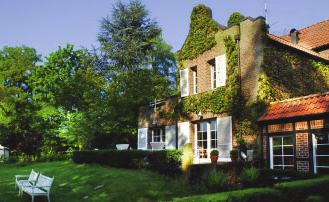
[234, 154]
[214, 156]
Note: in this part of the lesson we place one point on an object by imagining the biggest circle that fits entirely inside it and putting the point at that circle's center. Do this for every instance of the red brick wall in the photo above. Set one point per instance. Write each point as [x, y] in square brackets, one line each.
[302, 152]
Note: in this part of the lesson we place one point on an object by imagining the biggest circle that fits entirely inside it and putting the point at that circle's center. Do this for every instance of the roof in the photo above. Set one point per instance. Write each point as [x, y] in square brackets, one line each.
[313, 36]
[297, 107]
[295, 46]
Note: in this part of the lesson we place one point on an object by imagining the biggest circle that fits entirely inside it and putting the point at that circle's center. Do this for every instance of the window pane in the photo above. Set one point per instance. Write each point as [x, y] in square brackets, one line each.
[277, 160]
[288, 150]
[277, 150]
[322, 150]
[213, 125]
[288, 140]
[288, 160]
[322, 138]
[277, 141]
[213, 135]
[213, 143]
[199, 136]
[323, 160]
[323, 170]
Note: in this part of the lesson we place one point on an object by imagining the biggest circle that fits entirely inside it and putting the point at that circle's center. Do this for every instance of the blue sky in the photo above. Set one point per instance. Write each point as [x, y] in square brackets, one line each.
[47, 24]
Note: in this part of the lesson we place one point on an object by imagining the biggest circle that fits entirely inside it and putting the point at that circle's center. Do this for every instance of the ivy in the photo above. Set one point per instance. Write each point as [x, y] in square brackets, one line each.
[222, 99]
[286, 75]
[202, 32]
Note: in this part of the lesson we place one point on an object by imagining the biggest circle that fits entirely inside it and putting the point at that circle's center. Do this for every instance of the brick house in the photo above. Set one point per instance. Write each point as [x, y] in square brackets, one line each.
[165, 126]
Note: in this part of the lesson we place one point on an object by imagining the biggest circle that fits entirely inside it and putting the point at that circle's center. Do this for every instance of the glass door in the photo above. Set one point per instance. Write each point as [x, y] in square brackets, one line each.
[321, 152]
[205, 139]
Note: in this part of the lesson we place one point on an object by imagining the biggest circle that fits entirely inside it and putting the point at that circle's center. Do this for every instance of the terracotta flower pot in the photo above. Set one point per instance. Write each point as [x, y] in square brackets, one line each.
[214, 159]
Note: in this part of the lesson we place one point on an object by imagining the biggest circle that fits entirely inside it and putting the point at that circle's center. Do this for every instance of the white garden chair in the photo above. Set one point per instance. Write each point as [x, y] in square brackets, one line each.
[25, 180]
[41, 187]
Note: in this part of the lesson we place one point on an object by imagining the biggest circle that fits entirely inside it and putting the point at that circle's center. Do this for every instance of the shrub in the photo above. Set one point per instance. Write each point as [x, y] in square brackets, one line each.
[214, 152]
[216, 180]
[314, 199]
[165, 162]
[250, 176]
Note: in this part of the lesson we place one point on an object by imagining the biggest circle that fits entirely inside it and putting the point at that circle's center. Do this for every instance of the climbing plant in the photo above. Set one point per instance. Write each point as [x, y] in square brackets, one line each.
[287, 74]
[222, 99]
[201, 36]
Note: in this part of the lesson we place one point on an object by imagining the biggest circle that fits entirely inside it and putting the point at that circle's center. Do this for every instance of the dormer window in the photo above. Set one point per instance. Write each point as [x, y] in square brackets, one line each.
[195, 79]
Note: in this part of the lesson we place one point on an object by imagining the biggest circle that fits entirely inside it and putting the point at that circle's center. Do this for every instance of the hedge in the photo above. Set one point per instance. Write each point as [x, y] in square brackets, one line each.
[294, 191]
[165, 162]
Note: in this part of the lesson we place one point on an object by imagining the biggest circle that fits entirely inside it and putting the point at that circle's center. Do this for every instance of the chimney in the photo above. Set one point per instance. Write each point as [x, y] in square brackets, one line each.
[294, 36]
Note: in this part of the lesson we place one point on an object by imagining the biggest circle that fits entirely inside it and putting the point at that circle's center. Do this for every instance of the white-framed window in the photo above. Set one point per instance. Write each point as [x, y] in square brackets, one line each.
[282, 152]
[158, 135]
[213, 135]
[213, 74]
[218, 71]
[321, 152]
[195, 79]
[184, 83]
[205, 138]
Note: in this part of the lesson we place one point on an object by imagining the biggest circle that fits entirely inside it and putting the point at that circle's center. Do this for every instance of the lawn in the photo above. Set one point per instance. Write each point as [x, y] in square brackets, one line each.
[78, 182]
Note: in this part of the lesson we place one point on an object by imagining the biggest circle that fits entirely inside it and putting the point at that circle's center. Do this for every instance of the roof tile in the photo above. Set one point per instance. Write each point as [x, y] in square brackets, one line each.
[303, 106]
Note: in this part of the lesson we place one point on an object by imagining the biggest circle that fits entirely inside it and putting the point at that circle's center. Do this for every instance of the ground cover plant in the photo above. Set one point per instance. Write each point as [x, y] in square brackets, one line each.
[93, 183]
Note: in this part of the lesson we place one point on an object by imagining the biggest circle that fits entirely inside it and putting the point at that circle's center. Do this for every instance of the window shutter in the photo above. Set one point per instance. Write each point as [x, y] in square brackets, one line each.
[221, 70]
[224, 125]
[183, 133]
[170, 132]
[184, 88]
[142, 139]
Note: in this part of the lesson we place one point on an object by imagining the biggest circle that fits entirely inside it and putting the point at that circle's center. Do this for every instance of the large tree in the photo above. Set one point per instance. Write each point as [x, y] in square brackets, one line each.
[17, 124]
[141, 66]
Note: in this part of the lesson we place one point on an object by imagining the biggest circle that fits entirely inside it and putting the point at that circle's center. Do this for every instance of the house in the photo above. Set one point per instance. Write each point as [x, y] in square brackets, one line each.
[229, 78]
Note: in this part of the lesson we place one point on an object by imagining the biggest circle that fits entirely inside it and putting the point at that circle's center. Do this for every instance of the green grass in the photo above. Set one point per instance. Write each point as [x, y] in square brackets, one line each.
[74, 182]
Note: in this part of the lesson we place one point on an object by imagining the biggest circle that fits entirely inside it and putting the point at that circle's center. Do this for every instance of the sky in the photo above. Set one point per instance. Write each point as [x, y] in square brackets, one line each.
[47, 24]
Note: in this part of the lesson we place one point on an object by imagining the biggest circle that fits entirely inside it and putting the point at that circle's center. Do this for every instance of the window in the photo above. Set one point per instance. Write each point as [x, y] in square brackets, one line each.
[206, 138]
[218, 71]
[213, 74]
[213, 135]
[158, 135]
[282, 152]
[195, 79]
[321, 152]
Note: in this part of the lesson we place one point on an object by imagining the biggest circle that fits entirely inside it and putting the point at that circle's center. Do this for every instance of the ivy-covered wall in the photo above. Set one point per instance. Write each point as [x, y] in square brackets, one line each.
[201, 36]
[222, 99]
[288, 73]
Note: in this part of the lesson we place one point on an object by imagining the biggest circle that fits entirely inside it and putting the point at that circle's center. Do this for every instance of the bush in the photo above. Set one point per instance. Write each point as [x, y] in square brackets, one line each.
[250, 176]
[216, 180]
[165, 162]
[113, 158]
[214, 152]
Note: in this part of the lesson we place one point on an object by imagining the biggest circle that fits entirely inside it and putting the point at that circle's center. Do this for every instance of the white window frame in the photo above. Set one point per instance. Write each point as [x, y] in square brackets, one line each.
[186, 73]
[161, 136]
[195, 80]
[214, 75]
[315, 160]
[196, 140]
[283, 166]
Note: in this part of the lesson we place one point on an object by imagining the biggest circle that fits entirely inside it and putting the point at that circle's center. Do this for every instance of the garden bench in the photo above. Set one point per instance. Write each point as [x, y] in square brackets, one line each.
[41, 187]
[25, 180]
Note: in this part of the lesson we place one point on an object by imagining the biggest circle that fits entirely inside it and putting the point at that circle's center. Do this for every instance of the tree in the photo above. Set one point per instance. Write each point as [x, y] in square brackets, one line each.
[127, 35]
[68, 92]
[140, 65]
[17, 123]
[235, 18]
